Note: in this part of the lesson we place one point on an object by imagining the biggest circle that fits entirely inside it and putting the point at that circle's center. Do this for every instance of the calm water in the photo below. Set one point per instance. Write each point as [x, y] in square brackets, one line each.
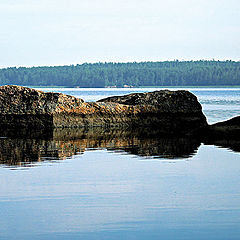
[80, 184]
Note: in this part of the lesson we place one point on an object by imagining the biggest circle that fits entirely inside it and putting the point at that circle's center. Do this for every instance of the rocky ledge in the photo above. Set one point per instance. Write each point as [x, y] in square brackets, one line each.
[229, 129]
[169, 111]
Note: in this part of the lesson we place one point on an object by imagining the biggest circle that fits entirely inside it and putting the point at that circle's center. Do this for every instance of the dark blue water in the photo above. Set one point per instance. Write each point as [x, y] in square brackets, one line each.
[108, 188]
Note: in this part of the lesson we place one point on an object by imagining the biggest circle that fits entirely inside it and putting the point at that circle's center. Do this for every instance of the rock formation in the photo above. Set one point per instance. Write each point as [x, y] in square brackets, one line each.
[225, 129]
[169, 111]
[165, 124]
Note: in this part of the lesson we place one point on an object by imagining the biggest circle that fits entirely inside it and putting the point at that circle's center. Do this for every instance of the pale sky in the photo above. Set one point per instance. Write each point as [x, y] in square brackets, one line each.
[64, 32]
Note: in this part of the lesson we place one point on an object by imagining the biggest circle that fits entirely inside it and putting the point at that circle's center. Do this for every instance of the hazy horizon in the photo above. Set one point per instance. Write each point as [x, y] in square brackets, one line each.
[57, 33]
[70, 64]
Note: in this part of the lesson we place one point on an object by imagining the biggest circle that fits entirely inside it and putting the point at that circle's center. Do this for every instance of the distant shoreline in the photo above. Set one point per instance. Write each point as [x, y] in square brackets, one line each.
[227, 86]
[127, 75]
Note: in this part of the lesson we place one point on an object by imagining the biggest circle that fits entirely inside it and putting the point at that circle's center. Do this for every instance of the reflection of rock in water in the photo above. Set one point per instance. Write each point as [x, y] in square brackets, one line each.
[14, 151]
[65, 143]
[232, 144]
[223, 134]
[25, 151]
[142, 142]
[164, 147]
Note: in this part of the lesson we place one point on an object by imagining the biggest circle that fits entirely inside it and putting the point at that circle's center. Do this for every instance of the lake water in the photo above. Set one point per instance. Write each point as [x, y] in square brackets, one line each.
[122, 185]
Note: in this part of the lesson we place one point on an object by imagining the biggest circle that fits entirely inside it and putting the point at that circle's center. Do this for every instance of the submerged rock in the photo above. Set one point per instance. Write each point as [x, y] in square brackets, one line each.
[169, 111]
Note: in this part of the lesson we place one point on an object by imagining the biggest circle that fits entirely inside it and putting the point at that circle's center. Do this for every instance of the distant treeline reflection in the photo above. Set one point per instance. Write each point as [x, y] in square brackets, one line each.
[167, 73]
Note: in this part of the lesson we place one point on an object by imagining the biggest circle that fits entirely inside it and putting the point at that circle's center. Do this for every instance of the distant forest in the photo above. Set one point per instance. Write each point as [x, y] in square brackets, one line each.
[167, 73]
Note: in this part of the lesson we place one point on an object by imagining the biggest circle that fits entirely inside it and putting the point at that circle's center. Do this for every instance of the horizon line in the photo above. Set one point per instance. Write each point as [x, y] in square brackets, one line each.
[122, 62]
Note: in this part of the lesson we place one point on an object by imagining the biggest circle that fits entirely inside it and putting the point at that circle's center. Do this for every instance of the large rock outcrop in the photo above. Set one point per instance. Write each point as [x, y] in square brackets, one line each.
[229, 129]
[169, 111]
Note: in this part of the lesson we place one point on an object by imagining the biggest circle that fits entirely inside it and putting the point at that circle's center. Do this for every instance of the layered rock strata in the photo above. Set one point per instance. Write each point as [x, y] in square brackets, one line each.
[171, 111]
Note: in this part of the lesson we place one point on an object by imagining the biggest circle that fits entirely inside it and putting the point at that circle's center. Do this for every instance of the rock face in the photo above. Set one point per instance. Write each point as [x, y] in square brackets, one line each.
[26, 107]
[229, 129]
[172, 112]
[168, 110]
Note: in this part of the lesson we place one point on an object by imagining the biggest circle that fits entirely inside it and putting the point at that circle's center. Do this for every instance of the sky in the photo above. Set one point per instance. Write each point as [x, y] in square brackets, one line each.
[64, 32]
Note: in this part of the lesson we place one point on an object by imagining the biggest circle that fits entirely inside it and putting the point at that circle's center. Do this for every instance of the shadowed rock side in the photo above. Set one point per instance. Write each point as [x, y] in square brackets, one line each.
[171, 112]
[225, 129]
[223, 134]
[65, 143]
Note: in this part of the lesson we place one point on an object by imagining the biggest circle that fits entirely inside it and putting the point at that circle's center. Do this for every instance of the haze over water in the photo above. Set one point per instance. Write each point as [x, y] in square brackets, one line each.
[122, 185]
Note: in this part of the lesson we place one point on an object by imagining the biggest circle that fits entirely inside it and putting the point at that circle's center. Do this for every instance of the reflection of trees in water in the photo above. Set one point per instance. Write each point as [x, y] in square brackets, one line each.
[64, 143]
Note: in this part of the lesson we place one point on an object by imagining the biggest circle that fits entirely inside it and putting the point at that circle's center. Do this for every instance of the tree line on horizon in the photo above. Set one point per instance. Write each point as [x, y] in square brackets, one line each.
[167, 73]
